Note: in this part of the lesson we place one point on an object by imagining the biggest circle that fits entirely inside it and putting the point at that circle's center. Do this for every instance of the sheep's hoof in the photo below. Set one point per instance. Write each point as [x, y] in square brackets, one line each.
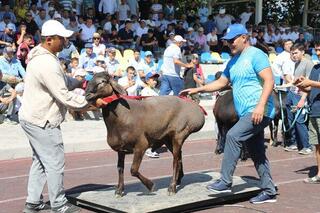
[153, 188]
[118, 193]
[171, 191]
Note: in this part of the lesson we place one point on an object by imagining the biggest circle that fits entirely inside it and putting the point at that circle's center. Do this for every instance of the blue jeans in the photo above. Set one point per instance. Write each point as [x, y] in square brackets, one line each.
[299, 133]
[169, 83]
[245, 131]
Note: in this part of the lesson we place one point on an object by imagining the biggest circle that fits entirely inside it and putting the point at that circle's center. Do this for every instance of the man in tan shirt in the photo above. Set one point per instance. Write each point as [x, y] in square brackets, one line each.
[47, 95]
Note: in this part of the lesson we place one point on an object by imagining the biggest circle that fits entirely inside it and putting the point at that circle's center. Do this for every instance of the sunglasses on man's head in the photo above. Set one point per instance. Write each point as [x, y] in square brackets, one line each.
[96, 38]
[317, 49]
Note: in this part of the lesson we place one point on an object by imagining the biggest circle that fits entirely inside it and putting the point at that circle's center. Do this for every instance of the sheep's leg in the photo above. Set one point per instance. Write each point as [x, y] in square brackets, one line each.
[137, 158]
[176, 166]
[181, 173]
[120, 187]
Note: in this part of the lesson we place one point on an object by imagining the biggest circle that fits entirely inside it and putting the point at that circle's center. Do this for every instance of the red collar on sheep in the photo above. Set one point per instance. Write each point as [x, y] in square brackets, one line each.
[112, 98]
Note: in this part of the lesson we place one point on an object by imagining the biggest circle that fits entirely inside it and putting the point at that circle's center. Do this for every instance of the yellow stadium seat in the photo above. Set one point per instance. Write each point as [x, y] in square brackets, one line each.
[123, 64]
[128, 54]
[216, 56]
[118, 55]
[272, 57]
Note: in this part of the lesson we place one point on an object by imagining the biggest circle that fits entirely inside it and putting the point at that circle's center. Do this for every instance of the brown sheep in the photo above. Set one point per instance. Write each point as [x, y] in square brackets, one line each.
[135, 125]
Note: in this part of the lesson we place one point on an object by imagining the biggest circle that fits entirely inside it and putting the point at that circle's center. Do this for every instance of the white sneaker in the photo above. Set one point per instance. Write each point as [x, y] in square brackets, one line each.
[305, 151]
[151, 154]
[291, 148]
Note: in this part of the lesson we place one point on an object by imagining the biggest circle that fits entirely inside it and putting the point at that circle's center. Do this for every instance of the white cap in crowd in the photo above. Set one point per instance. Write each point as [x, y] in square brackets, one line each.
[53, 27]
[178, 38]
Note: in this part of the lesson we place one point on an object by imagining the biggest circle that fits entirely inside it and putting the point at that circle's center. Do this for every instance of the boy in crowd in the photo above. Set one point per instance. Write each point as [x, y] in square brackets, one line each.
[151, 81]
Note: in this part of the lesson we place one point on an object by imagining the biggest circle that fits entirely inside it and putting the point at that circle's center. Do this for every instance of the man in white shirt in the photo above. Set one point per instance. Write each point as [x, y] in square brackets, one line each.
[87, 30]
[245, 16]
[283, 63]
[269, 38]
[131, 82]
[222, 21]
[98, 48]
[124, 11]
[136, 60]
[142, 29]
[134, 7]
[171, 80]
[108, 6]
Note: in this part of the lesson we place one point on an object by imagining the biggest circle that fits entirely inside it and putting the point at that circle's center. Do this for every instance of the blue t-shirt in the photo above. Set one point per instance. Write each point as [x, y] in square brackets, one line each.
[314, 96]
[242, 71]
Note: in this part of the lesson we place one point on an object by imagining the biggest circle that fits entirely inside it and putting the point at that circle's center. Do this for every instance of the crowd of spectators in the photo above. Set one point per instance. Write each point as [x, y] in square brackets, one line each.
[127, 38]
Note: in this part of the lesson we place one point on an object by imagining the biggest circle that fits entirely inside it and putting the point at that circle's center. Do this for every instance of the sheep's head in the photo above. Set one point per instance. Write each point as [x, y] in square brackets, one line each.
[102, 85]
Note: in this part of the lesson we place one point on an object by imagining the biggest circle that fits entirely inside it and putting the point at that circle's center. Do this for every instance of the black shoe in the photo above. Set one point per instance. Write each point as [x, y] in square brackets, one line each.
[31, 208]
[66, 208]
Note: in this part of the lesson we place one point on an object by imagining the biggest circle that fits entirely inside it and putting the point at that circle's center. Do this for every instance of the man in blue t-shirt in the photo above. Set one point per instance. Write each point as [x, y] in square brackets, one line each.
[312, 85]
[251, 77]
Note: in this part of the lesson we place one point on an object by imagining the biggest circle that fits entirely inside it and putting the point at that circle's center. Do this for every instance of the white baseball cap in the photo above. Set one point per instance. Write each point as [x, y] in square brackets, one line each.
[178, 38]
[53, 27]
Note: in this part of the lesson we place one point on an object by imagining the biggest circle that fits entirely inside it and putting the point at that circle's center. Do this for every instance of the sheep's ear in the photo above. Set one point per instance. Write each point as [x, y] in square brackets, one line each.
[117, 88]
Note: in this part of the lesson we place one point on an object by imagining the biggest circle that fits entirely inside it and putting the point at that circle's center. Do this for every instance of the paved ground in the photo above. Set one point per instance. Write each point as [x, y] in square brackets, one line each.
[99, 167]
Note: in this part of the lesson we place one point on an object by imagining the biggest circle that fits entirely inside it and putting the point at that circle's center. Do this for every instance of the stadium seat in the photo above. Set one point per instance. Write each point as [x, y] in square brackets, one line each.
[272, 57]
[279, 50]
[315, 59]
[216, 56]
[277, 80]
[118, 55]
[225, 56]
[160, 62]
[82, 50]
[210, 78]
[128, 54]
[123, 64]
[206, 57]
[142, 53]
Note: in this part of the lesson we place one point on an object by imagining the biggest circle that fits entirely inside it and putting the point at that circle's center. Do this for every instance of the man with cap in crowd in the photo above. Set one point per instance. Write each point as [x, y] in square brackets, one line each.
[142, 29]
[8, 13]
[13, 71]
[6, 21]
[251, 77]
[47, 94]
[151, 79]
[222, 21]
[7, 102]
[172, 63]
[146, 65]
[112, 64]
[88, 57]
[7, 37]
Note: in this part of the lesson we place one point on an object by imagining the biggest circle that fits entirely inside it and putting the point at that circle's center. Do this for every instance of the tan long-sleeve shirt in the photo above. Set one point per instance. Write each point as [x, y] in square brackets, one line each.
[46, 94]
